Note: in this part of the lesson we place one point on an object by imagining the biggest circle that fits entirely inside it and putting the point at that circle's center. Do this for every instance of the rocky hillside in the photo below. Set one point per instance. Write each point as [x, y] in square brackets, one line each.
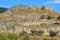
[24, 17]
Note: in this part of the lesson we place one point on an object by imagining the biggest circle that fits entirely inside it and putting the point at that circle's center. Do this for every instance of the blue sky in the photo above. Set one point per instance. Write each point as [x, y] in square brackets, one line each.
[54, 4]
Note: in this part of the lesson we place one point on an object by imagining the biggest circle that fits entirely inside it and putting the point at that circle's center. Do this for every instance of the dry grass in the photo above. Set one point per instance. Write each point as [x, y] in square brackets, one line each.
[29, 37]
[41, 38]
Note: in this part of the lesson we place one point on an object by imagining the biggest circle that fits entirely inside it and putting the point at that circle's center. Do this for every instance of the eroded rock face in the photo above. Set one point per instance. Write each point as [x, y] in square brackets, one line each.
[22, 17]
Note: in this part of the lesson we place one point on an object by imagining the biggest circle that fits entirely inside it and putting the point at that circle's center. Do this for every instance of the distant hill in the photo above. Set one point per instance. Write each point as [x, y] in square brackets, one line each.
[2, 9]
[29, 17]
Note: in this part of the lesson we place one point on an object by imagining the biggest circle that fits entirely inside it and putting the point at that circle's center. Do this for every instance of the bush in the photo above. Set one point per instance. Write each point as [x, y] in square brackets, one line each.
[33, 32]
[37, 32]
[53, 33]
[40, 32]
[49, 17]
[42, 17]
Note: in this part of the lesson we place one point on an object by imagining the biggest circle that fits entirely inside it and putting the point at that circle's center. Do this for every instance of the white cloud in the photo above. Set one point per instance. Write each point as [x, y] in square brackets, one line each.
[53, 2]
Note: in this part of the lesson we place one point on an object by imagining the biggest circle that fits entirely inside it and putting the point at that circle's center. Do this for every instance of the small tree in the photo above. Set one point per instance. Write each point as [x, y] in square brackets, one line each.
[53, 33]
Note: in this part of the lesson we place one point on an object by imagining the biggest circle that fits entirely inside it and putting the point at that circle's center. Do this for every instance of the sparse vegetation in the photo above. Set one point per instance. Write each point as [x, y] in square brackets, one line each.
[4, 36]
[42, 17]
[23, 33]
[26, 18]
[9, 36]
[26, 37]
[37, 32]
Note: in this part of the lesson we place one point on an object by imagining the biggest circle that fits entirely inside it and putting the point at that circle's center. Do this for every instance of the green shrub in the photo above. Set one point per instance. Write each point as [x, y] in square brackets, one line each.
[49, 17]
[37, 32]
[40, 32]
[42, 17]
[33, 32]
[53, 33]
